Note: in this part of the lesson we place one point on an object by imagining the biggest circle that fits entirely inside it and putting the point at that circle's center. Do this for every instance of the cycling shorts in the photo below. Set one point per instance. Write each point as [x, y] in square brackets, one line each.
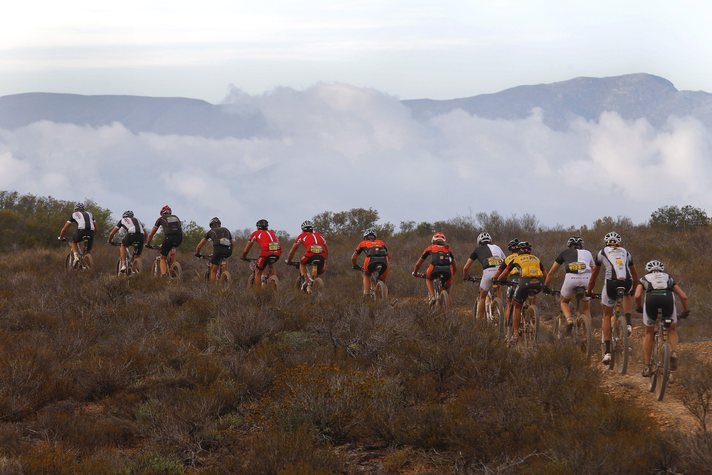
[444, 273]
[264, 261]
[659, 300]
[610, 289]
[171, 241]
[371, 263]
[134, 238]
[318, 260]
[84, 235]
[512, 288]
[486, 280]
[220, 253]
[527, 286]
[571, 281]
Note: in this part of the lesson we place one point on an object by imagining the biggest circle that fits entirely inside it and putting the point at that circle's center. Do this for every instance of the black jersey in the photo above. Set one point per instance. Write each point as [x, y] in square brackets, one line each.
[489, 255]
[219, 237]
[171, 225]
[575, 261]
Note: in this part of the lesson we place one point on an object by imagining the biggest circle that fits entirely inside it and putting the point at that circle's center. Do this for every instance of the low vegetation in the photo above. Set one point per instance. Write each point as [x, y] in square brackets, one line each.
[144, 376]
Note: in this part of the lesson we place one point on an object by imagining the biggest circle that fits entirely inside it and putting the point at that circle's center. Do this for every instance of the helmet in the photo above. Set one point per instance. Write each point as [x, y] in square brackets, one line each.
[438, 238]
[262, 224]
[369, 232]
[166, 210]
[307, 226]
[215, 222]
[127, 214]
[575, 241]
[484, 238]
[612, 239]
[524, 246]
[512, 245]
[79, 206]
[655, 266]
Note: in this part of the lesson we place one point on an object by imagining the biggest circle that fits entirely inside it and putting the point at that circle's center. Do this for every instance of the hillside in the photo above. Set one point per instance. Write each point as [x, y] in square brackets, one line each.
[105, 375]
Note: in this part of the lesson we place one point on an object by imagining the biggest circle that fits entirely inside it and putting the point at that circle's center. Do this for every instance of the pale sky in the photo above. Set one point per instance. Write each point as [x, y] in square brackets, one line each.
[405, 48]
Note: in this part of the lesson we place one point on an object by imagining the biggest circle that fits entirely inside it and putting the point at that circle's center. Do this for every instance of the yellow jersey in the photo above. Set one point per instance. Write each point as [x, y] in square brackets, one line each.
[527, 264]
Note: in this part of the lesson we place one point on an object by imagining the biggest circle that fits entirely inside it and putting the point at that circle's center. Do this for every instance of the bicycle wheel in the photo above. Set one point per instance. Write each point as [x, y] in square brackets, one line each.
[156, 269]
[272, 282]
[381, 290]
[444, 300]
[317, 287]
[663, 370]
[136, 266]
[559, 326]
[224, 280]
[497, 311]
[68, 262]
[584, 335]
[118, 267]
[87, 262]
[175, 270]
[654, 365]
[624, 345]
[532, 319]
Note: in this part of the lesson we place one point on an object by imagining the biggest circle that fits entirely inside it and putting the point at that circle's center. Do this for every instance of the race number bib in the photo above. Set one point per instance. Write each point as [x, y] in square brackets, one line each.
[577, 266]
[315, 249]
[225, 242]
[274, 246]
[494, 261]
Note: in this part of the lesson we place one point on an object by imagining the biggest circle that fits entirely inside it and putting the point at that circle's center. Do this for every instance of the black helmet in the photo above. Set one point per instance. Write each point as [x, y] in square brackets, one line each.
[127, 214]
[575, 241]
[307, 226]
[524, 247]
[512, 245]
[215, 222]
[79, 206]
[262, 224]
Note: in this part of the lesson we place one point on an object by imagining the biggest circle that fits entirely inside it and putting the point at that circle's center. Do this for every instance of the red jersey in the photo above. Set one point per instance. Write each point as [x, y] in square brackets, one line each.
[314, 244]
[268, 242]
[439, 255]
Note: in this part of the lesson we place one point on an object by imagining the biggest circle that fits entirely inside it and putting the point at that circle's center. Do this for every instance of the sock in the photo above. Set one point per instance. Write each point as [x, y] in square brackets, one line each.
[627, 319]
[608, 346]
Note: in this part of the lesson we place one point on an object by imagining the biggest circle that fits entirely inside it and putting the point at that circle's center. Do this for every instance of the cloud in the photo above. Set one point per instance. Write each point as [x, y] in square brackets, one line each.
[336, 147]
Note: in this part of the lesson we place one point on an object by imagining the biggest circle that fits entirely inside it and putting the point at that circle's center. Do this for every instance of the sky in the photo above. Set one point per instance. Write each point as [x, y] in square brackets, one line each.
[328, 77]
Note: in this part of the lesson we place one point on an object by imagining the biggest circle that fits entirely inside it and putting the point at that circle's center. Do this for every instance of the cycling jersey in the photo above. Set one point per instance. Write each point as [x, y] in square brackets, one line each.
[376, 255]
[489, 255]
[171, 225]
[514, 273]
[659, 295]
[616, 262]
[268, 242]
[575, 261]
[528, 265]
[439, 255]
[314, 244]
[83, 219]
[131, 225]
[220, 237]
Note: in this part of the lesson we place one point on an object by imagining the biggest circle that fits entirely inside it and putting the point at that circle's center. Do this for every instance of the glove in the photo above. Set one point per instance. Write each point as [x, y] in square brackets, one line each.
[59, 238]
[684, 314]
[197, 254]
[639, 309]
[589, 294]
[414, 274]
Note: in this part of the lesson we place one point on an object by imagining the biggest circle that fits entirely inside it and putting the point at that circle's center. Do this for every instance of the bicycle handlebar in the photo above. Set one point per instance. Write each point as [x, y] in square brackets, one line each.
[472, 278]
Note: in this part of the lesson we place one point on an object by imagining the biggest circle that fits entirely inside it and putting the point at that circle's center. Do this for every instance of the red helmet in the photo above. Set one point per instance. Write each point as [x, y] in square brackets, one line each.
[438, 238]
[166, 210]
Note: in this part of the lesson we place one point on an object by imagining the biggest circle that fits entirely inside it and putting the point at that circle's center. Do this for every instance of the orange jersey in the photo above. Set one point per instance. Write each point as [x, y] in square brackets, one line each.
[372, 248]
[439, 255]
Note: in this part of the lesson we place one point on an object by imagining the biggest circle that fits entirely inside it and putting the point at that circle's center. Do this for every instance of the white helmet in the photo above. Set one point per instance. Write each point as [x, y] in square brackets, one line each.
[655, 266]
[612, 239]
[307, 226]
[484, 238]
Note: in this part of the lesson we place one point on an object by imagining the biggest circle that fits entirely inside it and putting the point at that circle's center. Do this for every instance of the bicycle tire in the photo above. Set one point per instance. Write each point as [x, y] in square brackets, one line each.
[317, 287]
[272, 282]
[585, 334]
[624, 345]
[224, 279]
[175, 270]
[156, 268]
[664, 370]
[615, 343]
[381, 290]
[498, 310]
[443, 300]
[534, 313]
[559, 326]
[654, 367]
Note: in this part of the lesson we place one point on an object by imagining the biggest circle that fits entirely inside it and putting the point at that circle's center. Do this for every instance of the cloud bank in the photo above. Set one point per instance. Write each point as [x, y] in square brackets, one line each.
[336, 147]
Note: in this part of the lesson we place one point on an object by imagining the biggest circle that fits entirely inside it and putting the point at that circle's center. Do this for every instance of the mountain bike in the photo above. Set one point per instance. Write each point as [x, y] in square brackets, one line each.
[174, 268]
[529, 321]
[580, 333]
[222, 277]
[494, 309]
[84, 262]
[269, 277]
[660, 358]
[133, 261]
[309, 283]
[620, 345]
[442, 296]
[378, 290]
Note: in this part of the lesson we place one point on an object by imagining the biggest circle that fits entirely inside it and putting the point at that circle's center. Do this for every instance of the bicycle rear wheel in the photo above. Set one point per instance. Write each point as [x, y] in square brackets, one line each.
[175, 270]
[663, 371]
[497, 310]
[624, 345]
[584, 335]
[443, 300]
[381, 290]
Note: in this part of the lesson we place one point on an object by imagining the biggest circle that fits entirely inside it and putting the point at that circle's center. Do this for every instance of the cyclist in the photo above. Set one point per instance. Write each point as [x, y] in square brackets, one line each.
[376, 254]
[531, 279]
[222, 246]
[315, 251]
[577, 263]
[270, 250]
[442, 265]
[619, 271]
[135, 234]
[86, 227]
[490, 257]
[513, 275]
[173, 232]
[656, 291]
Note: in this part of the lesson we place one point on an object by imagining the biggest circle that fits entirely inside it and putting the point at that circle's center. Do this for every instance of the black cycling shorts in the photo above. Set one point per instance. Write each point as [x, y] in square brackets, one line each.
[613, 284]
[220, 253]
[135, 238]
[84, 235]
[512, 288]
[317, 260]
[374, 262]
[659, 300]
[171, 241]
[528, 286]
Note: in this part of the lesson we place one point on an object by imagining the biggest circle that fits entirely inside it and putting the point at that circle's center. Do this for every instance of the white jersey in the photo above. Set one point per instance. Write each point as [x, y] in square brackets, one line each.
[616, 262]
[84, 220]
[131, 225]
[657, 281]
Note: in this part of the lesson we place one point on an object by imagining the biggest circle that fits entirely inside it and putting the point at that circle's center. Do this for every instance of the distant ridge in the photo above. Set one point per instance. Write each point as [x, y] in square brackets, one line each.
[632, 96]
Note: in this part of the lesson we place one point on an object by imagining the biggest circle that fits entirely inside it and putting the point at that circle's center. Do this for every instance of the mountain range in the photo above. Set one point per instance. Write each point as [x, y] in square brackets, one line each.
[632, 96]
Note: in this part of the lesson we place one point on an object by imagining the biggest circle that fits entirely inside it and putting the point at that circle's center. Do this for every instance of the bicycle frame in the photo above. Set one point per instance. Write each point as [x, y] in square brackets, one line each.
[619, 334]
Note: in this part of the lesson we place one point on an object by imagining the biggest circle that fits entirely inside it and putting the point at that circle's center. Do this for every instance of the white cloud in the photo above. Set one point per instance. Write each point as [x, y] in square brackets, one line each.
[335, 147]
